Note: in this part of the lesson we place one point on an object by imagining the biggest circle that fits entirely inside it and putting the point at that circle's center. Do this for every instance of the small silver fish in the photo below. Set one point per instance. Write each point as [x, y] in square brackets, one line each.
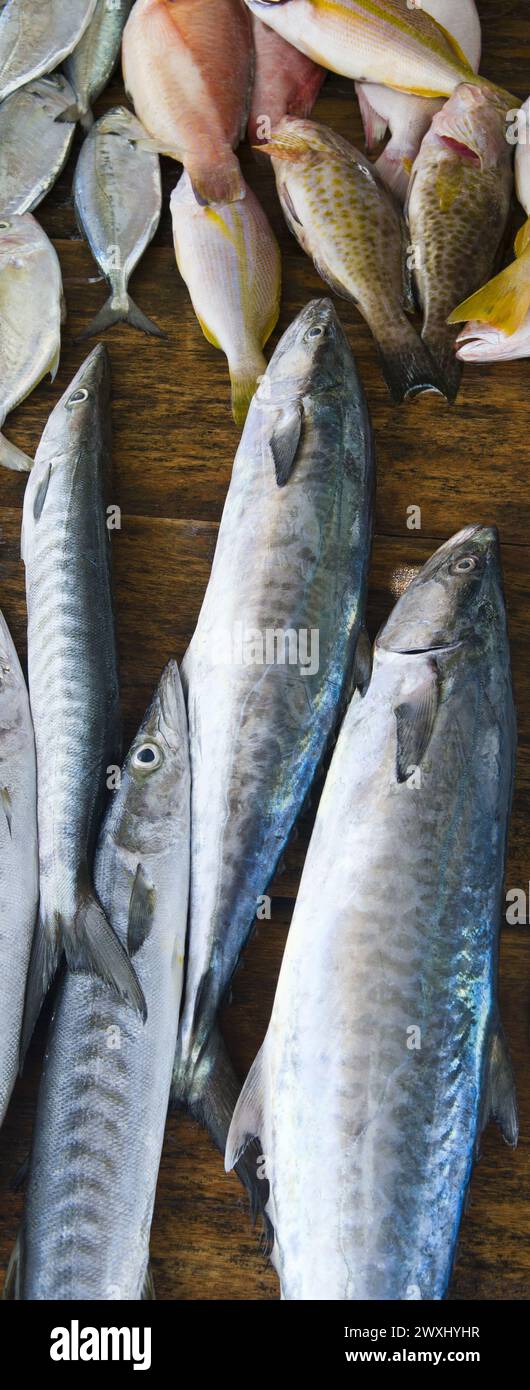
[118, 201]
[34, 146]
[35, 36]
[19, 861]
[93, 60]
[31, 295]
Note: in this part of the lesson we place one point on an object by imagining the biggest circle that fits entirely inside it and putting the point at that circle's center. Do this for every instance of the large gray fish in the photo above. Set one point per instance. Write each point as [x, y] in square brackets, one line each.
[105, 1087]
[19, 862]
[385, 1055]
[73, 681]
[92, 62]
[118, 201]
[35, 36]
[34, 147]
[270, 661]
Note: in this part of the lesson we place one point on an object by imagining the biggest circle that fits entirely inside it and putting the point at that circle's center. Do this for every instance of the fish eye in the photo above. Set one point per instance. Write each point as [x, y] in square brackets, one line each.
[4, 225]
[147, 757]
[315, 332]
[465, 565]
[78, 396]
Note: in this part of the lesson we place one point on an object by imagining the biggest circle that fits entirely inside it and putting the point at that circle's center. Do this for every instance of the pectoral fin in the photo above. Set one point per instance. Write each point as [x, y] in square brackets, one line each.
[141, 911]
[499, 1101]
[415, 720]
[285, 439]
[247, 1119]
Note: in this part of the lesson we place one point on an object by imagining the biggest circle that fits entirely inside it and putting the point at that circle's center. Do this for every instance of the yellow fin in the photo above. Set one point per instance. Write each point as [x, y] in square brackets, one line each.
[453, 43]
[208, 334]
[449, 180]
[503, 302]
[522, 240]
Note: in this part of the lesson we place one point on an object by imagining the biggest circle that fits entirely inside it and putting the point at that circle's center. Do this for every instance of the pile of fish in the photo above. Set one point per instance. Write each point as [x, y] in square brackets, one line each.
[138, 883]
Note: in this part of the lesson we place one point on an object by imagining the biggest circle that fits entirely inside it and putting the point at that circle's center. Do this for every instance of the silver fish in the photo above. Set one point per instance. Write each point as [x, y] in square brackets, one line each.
[19, 863]
[118, 201]
[73, 681]
[34, 147]
[271, 657]
[92, 62]
[35, 36]
[104, 1093]
[31, 295]
[385, 1055]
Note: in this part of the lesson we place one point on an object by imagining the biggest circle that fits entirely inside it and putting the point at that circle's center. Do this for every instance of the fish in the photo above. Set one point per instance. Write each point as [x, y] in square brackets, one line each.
[34, 148]
[279, 640]
[503, 304]
[91, 64]
[104, 1090]
[457, 211]
[19, 861]
[343, 216]
[230, 260]
[73, 684]
[35, 36]
[187, 68]
[286, 82]
[385, 1054]
[32, 309]
[407, 117]
[118, 201]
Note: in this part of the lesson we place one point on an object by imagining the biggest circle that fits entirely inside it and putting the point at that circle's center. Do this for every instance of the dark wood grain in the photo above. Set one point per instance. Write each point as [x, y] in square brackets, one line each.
[174, 442]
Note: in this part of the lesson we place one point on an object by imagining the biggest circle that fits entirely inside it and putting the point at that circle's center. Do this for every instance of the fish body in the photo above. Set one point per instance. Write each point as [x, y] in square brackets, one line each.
[19, 862]
[230, 259]
[35, 36]
[34, 147]
[104, 1091]
[457, 210]
[73, 680]
[94, 58]
[31, 306]
[288, 577]
[396, 44]
[187, 66]
[118, 201]
[407, 117]
[385, 1056]
[349, 224]
[286, 82]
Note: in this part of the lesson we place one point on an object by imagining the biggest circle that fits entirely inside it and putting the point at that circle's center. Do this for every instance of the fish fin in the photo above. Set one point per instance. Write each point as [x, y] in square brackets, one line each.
[71, 115]
[394, 170]
[454, 44]
[415, 719]
[54, 364]
[12, 1284]
[93, 947]
[46, 950]
[504, 301]
[441, 346]
[522, 240]
[407, 366]
[19, 1181]
[244, 383]
[120, 311]
[285, 439]
[41, 493]
[375, 126]
[141, 911]
[148, 1286]
[499, 1101]
[7, 807]
[218, 183]
[14, 458]
[247, 1119]
[362, 663]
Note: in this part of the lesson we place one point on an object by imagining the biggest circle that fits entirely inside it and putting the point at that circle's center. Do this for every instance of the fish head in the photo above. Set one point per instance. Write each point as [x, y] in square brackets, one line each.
[154, 790]
[313, 355]
[472, 126]
[456, 599]
[20, 233]
[81, 415]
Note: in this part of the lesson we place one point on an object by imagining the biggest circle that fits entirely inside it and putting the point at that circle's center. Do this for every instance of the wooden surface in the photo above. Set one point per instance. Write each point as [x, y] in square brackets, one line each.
[174, 443]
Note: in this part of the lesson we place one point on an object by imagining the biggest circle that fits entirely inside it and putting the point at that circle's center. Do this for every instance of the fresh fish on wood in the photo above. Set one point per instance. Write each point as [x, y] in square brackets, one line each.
[94, 58]
[385, 1055]
[34, 147]
[19, 861]
[118, 201]
[104, 1092]
[230, 260]
[286, 82]
[187, 66]
[457, 209]
[73, 682]
[35, 36]
[339, 210]
[279, 631]
[31, 308]
[408, 118]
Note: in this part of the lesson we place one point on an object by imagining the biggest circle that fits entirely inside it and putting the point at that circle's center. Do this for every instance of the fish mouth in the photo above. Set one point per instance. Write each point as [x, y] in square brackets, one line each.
[427, 651]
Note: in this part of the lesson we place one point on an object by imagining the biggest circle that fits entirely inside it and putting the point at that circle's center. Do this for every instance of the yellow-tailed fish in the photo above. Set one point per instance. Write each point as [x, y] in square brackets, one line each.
[230, 260]
[504, 303]
[352, 228]
[457, 209]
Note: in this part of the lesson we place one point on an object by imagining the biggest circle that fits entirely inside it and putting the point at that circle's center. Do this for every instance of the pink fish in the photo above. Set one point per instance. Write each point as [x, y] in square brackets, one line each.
[286, 82]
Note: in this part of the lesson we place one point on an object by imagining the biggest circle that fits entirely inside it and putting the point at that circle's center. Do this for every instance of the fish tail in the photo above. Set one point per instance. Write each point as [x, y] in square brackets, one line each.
[504, 301]
[441, 344]
[74, 113]
[375, 126]
[407, 365]
[92, 947]
[217, 182]
[14, 458]
[394, 169]
[244, 380]
[120, 309]
[12, 1290]
[46, 950]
